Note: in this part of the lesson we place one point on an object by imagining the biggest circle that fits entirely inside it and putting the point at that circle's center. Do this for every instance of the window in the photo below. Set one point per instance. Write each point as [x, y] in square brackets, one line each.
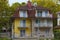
[23, 13]
[59, 22]
[36, 29]
[37, 21]
[47, 31]
[49, 23]
[22, 33]
[59, 15]
[39, 13]
[23, 23]
[44, 13]
[44, 22]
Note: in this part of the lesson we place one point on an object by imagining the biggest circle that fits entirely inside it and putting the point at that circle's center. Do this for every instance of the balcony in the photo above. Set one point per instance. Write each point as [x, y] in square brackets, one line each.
[44, 15]
[24, 26]
[43, 35]
[47, 15]
[43, 25]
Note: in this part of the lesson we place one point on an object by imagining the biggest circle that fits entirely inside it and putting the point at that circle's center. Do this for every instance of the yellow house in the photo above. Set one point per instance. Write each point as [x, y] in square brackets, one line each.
[33, 22]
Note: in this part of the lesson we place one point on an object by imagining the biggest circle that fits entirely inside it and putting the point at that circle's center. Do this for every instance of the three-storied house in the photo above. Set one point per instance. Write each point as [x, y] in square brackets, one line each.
[32, 21]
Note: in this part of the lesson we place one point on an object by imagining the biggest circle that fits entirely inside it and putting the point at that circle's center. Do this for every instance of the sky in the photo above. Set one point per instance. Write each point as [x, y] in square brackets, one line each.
[13, 1]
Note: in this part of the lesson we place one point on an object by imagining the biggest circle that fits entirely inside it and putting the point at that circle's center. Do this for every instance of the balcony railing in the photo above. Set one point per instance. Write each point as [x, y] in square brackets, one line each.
[43, 25]
[48, 15]
[42, 34]
[24, 26]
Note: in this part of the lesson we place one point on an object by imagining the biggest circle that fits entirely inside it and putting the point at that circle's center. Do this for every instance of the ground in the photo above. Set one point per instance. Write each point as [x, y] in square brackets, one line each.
[4, 39]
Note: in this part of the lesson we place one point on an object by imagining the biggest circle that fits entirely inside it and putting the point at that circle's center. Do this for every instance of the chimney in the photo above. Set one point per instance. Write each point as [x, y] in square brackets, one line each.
[29, 4]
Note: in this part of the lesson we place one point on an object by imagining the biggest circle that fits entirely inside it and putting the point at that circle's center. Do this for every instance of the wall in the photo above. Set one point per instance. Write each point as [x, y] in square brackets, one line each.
[17, 27]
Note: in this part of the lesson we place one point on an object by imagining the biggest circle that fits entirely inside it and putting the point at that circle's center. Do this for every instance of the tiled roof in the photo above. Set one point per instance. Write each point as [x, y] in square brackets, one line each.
[31, 10]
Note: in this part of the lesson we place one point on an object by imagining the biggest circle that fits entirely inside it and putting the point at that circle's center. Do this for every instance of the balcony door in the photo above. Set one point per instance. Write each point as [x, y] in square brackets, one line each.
[22, 33]
[37, 22]
[23, 23]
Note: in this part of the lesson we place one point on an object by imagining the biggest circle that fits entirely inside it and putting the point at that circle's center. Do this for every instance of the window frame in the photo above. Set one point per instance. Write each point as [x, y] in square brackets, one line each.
[37, 14]
[22, 14]
[22, 33]
[22, 24]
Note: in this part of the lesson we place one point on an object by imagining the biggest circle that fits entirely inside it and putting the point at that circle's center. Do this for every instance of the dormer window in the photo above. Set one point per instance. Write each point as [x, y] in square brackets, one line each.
[23, 14]
[38, 13]
[44, 13]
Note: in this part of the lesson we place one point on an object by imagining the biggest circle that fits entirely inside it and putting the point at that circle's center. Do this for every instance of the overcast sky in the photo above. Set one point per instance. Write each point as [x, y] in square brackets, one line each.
[13, 1]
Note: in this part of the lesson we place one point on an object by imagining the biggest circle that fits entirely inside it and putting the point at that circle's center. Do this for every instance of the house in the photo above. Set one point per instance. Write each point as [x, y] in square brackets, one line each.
[31, 21]
[58, 21]
[57, 27]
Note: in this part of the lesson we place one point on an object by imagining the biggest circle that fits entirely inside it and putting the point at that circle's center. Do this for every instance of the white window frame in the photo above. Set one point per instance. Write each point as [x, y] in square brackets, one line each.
[44, 14]
[21, 14]
[22, 24]
[37, 13]
[58, 21]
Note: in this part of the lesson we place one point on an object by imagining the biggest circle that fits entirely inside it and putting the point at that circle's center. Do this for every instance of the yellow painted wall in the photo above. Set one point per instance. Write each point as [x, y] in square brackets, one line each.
[17, 25]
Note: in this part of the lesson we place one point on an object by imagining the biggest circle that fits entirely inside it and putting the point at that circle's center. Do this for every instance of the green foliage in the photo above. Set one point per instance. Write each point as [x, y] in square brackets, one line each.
[52, 6]
[4, 10]
[14, 6]
[4, 39]
[7, 11]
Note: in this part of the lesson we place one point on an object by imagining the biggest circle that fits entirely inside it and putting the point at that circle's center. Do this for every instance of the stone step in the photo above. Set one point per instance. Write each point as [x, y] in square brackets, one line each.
[25, 39]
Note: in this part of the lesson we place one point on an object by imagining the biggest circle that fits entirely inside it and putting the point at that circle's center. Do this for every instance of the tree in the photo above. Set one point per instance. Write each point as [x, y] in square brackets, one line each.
[15, 5]
[23, 4]
[5, 13]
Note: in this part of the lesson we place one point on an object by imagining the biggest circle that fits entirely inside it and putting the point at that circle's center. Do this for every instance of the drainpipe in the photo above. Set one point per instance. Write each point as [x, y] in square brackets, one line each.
[12, 30]
[38, 28]
[31, 28]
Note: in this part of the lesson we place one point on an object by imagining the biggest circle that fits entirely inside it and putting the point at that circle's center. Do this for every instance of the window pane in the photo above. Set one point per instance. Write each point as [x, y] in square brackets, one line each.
[47, 30]
[23, 13]
[23, 23]
[37, 21]
[36, 29]
[22, 33]
[39, 13]
[46, 13]
[59, 22]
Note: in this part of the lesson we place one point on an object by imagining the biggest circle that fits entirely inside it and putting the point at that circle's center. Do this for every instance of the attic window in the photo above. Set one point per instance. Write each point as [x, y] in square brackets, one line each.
[38, 14]
[23, 14]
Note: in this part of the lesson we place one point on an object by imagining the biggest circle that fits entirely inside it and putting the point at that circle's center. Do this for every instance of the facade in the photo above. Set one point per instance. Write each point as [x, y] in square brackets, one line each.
[32, 21]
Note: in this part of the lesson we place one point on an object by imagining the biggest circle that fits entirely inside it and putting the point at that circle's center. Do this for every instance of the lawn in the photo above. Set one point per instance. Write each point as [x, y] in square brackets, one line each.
[4, 39]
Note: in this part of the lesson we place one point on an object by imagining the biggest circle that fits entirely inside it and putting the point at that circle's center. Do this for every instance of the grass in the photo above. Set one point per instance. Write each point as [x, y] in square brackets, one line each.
[4, 39]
